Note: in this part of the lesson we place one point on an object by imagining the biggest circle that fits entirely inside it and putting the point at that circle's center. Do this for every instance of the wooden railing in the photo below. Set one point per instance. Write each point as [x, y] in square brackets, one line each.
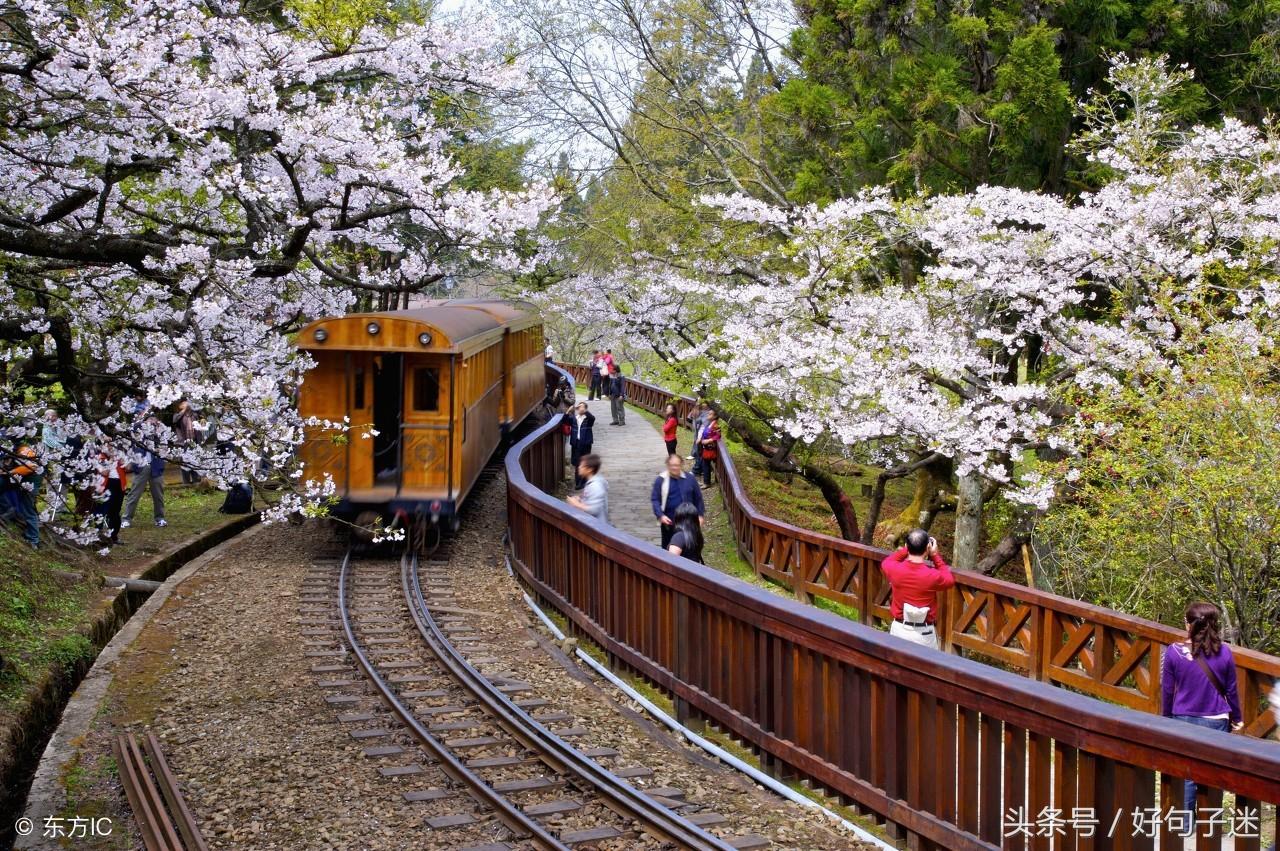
[1097, 651]
[948, 752]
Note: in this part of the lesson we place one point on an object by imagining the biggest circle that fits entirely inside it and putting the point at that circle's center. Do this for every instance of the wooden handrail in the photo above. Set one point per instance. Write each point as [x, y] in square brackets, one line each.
[1047, 637]
[948, 751]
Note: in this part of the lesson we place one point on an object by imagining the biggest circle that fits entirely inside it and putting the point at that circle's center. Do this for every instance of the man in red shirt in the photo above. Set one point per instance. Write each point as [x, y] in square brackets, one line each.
[916, 573]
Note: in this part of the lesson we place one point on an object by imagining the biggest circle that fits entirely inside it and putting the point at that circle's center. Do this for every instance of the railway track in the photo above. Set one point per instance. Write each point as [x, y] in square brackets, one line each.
[490, 764]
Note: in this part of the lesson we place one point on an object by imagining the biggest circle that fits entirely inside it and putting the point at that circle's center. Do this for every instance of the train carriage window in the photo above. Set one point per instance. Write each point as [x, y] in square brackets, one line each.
[426, 389]
[357, 391]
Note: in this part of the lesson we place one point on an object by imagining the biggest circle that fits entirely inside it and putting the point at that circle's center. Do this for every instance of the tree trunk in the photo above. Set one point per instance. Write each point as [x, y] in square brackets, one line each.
[1009, 547]
[841, 506]
[932, 493]
[968, 521]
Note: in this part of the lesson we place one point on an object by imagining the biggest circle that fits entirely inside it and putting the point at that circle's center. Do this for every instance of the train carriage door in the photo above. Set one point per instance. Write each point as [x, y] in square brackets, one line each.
[426, 424]
[388, 402]
[360, 398]
[321, 396]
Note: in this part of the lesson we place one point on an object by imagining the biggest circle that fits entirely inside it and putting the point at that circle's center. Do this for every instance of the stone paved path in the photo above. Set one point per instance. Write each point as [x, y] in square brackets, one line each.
[631, 456]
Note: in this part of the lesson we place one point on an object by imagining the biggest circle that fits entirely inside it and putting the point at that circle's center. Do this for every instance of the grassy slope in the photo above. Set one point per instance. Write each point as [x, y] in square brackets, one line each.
[41, 612]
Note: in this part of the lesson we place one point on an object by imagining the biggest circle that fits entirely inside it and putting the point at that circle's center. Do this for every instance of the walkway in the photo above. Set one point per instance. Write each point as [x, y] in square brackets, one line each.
[631, 456]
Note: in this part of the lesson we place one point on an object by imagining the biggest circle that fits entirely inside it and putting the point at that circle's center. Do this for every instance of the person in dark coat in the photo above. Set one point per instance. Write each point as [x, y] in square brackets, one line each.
[596, 389]
[581, 436]
[617, 393]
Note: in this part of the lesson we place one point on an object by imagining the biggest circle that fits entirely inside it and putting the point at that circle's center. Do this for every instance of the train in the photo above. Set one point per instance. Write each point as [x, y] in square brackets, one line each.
[428, 394]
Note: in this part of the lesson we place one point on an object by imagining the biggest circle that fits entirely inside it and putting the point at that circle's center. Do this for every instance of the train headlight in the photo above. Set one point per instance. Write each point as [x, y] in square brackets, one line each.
[321, 335]
[424, 338]
[373, 328]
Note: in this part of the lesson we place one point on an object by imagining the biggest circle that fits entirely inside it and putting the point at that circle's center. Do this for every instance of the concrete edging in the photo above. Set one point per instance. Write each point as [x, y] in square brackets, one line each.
[47, 796]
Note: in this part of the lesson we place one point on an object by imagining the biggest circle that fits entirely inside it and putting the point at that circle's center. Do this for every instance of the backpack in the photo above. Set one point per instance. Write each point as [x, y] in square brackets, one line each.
[239, 499]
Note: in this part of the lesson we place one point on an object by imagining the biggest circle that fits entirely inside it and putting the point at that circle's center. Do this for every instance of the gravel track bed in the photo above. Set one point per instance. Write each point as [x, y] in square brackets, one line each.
[519, 646]
[221, 677]
[224, 675]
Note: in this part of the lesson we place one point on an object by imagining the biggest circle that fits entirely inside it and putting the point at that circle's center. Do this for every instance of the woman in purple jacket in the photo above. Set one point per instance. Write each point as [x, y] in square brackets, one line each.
[1199, 680]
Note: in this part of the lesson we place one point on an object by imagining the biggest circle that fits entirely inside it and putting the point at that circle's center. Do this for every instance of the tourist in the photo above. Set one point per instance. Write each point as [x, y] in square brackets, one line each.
[148, 472]
[111, 490]
[617, 396]
[1198, 682]
[581, 436]
[53, 438]
[916, 573]
[595, 489]
[697, 421]
[709, 445]
[672, 489]
[669, 425]
[21, 487]
[184, 425]
[593, 391]
[687, 538]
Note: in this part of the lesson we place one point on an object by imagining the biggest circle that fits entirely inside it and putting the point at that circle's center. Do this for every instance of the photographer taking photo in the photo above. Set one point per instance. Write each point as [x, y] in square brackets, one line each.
[916, 573]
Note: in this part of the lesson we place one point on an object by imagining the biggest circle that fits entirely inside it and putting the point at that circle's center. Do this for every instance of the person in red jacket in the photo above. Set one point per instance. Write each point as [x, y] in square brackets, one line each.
[669, 426]
[916, 574]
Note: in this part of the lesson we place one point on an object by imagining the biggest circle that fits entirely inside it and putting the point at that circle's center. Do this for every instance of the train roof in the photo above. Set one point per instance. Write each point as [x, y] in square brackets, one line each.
[517, 313]
[453, 327]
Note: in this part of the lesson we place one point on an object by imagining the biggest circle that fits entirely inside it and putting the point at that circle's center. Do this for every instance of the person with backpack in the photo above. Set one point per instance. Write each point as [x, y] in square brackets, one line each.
[1198, 681]
[687, 539]
[22, 484]
[672, 489]
[669, 426]
[239, 499]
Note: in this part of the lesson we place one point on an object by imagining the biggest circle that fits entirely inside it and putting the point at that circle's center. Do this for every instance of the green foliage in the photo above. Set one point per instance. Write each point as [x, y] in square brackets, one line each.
[337, 24]
[1176, 495]
[39, 613]
[71, 651]
[940, 98]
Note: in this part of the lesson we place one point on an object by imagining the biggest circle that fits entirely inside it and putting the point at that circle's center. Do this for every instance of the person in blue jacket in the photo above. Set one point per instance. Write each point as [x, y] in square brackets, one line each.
[672, 489]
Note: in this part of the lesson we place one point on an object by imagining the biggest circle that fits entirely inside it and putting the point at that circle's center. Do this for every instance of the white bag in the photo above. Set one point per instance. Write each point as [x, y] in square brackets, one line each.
[915, 615]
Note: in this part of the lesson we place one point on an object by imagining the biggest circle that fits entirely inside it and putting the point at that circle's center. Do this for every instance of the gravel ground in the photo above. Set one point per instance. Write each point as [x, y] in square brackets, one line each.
[222, 675]
[518, 642]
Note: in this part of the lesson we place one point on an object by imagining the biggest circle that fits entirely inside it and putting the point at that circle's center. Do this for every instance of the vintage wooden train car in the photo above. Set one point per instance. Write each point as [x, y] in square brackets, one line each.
[428, 395]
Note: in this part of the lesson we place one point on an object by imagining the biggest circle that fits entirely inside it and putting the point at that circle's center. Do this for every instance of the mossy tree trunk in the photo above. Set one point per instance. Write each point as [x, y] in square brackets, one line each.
[933, 493]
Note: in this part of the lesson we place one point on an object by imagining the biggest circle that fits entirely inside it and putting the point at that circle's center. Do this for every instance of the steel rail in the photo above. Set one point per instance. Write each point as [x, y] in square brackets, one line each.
[524, 826]
[186, 822]
[159, 827]
[616, 793]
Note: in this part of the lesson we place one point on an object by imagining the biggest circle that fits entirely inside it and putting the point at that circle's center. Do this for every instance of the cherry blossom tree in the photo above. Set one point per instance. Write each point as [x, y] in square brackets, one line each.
[956, 323]
[184, 184]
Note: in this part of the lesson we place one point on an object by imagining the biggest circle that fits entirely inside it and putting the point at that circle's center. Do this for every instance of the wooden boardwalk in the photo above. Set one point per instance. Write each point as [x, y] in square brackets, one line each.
[631, 456]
